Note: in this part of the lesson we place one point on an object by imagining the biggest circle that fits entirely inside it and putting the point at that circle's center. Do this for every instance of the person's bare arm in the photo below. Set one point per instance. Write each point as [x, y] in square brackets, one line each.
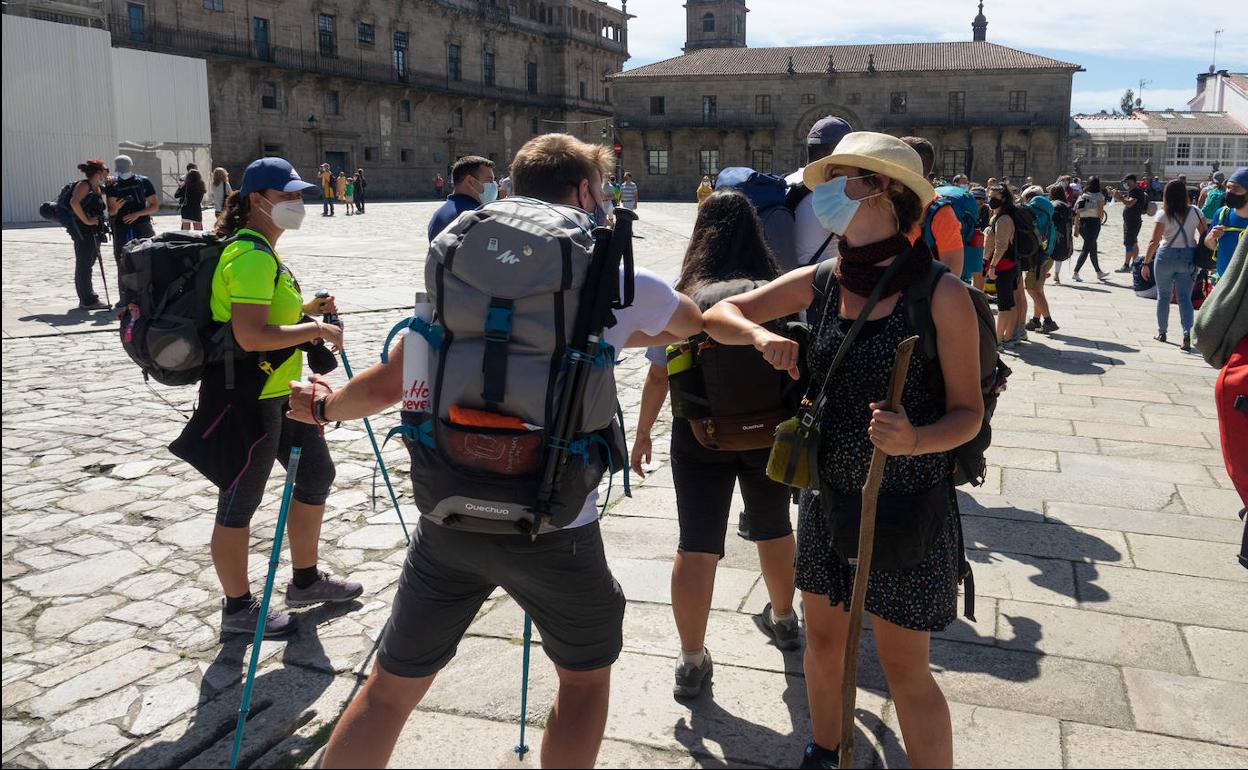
[75, 203]
[369, 392]
[153, 206]
[953, 259]
[684, 323]
[738, 320]
[1158, 230]
[653, 395]
[254, 332]
[957, 342]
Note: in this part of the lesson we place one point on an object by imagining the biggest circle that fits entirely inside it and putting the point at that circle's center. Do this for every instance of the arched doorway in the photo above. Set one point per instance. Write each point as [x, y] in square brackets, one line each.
[801, 129]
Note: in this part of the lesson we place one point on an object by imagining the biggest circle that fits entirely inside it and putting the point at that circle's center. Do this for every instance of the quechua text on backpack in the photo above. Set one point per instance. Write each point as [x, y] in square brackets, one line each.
[732, 398]
[520, 425]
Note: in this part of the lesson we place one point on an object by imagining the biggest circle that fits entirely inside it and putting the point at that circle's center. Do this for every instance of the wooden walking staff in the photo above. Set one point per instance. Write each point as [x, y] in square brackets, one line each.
[866, 546]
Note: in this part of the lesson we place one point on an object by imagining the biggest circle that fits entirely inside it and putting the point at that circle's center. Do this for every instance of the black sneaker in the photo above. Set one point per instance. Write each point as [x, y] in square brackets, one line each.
[277, 624]
[1123, 269]
[94, 304]
[783, 633]
[326, 590]
[1049, 326]
[692, 680]
[1033, 325]
[819, 758]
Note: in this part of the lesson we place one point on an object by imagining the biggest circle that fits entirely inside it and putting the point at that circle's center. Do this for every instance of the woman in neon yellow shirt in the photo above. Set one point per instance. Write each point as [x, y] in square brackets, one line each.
[254, 291]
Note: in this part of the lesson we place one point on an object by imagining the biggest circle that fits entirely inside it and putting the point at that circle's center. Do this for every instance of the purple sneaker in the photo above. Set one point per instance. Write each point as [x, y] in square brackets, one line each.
[277, 625]
[327, 589]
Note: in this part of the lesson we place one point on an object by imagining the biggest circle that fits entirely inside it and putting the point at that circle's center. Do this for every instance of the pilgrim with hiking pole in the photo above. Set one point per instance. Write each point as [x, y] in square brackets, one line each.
[506, 288]
[871, 192]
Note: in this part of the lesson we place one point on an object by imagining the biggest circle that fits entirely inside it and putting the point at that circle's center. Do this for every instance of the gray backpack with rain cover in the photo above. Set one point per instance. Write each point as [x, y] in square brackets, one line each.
[505, 282]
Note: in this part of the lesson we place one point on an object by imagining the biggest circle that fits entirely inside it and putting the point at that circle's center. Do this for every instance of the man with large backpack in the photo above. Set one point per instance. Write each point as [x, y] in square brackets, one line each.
[812, 241]
[131, 203]
[945, 226]
[1044, 214]
[493, 275]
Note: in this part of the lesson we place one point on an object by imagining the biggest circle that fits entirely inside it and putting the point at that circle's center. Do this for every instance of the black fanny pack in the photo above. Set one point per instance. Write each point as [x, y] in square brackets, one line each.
[906, 526]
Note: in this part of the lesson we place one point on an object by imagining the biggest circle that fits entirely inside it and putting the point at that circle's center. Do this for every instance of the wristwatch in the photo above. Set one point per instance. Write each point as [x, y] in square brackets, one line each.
[318, 409]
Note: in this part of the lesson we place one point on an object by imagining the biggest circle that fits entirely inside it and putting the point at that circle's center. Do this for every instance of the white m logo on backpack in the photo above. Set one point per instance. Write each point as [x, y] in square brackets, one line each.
[508, 258]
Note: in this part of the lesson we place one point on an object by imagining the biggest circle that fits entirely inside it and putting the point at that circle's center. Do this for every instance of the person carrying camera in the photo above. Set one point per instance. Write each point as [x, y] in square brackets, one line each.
[255, 292]
[85, 227]
[131, 203]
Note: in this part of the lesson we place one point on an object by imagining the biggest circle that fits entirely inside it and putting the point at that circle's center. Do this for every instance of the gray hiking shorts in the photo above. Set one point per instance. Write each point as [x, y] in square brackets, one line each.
[561, 580]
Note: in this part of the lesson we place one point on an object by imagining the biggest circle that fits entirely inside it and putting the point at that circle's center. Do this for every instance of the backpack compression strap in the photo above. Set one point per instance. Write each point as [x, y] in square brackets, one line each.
[494, 358]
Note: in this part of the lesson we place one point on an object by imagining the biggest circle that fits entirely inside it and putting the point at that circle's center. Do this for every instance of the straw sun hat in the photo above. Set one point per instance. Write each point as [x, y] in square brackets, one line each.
[880, 153]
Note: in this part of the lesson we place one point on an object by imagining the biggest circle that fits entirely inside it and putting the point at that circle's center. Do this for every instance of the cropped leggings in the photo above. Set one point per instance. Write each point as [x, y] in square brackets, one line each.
[1089, 231]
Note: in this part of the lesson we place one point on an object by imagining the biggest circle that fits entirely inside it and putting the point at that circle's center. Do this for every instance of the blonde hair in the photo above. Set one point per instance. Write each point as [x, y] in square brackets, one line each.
[547, 167]
[1033, 191]
[220, 176]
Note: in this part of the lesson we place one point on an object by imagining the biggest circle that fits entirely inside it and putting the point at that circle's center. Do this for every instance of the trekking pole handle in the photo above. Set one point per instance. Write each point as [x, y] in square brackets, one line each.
[329, 318]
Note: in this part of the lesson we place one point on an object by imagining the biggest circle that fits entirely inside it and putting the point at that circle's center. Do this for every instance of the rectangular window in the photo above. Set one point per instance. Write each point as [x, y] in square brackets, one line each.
[656, 162]
[708, 163]
[762, 104]
[365, 34]
[331, 103]
[897, 103]
[214, 5]
[658, 105]
[273, 151]
[606, 94]
[1018, 101]
[452, 62]
[808, 98]
[957, 106]
[405, 156]
[400, 55]
[1183, 150]
[1199, 145]
[491, 121]
[370, 154]
[761, 160]
[710, 110]
[532, 77]
[260, 38]
[268, 96]
[327, 35]
[487, 68]
[855, 98]
[1014, 163]
[953, 162]
[582, 90]
[405, 111]
[137, 15]
[457, 117]
[536, 127]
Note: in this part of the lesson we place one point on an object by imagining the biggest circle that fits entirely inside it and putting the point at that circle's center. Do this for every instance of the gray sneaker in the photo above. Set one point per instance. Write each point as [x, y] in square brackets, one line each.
[326, 589]
[692, 680]
[277, 624]
[783, 633]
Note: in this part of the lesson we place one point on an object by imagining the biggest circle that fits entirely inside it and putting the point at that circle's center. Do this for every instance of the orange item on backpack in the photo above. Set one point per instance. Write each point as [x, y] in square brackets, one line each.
[477, 418]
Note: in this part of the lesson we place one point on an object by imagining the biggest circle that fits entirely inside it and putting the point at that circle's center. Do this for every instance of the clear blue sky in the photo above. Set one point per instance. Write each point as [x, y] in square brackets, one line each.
[1118, 42]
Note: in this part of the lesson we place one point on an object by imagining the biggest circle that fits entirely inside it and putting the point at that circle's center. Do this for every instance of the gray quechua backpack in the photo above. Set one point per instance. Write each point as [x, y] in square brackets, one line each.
[519, 426]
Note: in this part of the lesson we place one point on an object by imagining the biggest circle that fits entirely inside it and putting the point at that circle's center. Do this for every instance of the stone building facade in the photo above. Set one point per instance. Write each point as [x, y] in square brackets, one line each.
[989, 110]
[400, 88]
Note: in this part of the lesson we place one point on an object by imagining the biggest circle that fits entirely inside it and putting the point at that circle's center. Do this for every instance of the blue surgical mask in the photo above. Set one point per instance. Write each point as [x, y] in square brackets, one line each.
[126, 174]
[489, 192]
[833, 208]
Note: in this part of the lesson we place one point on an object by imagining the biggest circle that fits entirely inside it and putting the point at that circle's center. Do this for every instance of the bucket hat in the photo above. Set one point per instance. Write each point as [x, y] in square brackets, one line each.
[880, 153]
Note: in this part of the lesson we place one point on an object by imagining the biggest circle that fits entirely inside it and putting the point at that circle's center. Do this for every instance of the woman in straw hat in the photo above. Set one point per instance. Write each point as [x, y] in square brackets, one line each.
[871, 192]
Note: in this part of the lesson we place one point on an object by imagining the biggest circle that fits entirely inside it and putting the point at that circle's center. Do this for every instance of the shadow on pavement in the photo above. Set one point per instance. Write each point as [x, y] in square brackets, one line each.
[74, 317]
[1083, 342]
[280, 697]
[1052, 360]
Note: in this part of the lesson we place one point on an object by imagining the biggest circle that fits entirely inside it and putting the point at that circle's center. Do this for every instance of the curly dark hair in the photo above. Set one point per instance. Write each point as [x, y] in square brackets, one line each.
[234, 216]
[195, 183]
[727, 243]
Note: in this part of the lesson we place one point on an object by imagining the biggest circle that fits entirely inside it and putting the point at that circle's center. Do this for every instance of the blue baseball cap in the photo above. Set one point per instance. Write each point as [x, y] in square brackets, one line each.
[272, 174]
[828, 131]
[1240, 177]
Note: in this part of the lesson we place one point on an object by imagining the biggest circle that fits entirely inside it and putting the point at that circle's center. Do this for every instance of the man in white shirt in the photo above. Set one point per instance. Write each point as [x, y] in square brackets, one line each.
[815, 243]
[561, 579]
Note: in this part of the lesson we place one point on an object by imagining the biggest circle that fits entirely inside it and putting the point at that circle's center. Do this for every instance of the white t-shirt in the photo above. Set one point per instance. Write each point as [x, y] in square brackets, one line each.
[628, 195]
[810, 232]
[1171, 235]
[654, 303]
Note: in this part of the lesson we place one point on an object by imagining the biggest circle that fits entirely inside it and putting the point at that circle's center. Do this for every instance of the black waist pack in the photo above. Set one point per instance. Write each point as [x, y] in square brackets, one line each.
[906, 526]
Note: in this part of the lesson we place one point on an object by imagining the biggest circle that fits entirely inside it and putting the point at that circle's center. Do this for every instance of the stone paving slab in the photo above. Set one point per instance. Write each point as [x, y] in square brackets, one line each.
[1103, 542]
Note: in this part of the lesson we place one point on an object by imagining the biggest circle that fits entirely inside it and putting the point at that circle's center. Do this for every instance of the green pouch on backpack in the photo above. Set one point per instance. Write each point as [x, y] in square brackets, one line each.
[794, 459]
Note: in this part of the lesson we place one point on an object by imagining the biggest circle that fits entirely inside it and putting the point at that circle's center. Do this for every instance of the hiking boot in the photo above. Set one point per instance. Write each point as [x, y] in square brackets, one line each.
[277, 624]
[1049, 326]
[692, 680]
[1033, 325]
[94, 304]
[1187, 342]
[819, 758]
[1123, 269]
[783, 633]
[327, 589]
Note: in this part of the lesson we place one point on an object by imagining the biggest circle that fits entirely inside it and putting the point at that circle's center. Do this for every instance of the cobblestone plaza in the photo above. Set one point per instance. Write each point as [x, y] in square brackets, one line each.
[1111, 629]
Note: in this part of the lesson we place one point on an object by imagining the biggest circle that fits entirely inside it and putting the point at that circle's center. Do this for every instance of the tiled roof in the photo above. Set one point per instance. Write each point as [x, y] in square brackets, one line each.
[1239, 80]
[1175, 122]
[809, 60]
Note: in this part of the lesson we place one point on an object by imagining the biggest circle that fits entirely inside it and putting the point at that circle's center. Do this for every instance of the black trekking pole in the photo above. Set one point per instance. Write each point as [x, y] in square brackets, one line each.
[336, 320]
[99, 258]
[600, 295]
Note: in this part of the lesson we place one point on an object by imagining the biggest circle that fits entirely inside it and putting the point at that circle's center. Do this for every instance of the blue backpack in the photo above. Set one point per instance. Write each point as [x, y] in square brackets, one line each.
[965, 208]
[1042, 210]
[768, 193]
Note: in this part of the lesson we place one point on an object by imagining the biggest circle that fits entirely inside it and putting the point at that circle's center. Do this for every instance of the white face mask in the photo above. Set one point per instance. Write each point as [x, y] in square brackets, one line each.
[833, 207]
[126, 174]
[287, 215]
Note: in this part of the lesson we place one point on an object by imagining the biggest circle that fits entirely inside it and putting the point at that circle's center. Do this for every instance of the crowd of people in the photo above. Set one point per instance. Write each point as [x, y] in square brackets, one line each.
[869, 224]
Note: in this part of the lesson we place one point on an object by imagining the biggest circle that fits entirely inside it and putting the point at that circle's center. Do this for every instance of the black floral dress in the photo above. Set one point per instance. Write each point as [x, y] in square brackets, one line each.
[923, 598]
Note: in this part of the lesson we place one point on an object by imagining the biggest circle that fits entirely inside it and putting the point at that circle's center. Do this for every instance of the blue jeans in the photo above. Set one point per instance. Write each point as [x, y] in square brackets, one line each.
[1174, 270]
[327, 205]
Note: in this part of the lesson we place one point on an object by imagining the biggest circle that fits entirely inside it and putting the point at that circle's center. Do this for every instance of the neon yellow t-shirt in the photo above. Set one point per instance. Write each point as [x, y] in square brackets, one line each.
[245, 274]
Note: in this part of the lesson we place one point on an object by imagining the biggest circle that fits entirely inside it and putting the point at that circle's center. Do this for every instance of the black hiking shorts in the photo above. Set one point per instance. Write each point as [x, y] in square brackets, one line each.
[561, 580]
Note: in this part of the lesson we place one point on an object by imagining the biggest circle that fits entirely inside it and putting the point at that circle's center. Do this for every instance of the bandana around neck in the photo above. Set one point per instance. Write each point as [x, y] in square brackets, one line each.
[859, 270]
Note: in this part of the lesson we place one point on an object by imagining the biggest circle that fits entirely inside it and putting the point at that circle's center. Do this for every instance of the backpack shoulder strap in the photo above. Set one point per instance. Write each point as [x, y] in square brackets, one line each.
[919, 308]
[825, 273]
[928, 236]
